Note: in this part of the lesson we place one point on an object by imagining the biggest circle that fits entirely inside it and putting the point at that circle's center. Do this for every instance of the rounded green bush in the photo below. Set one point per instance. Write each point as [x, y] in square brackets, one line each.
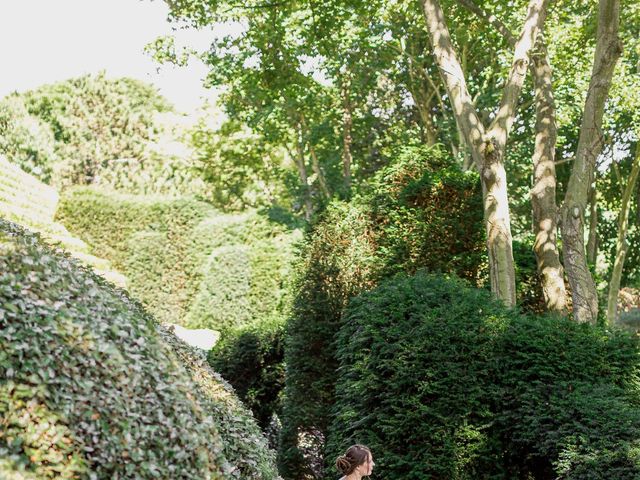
[251, 358]
[443, 382]
[89, 389]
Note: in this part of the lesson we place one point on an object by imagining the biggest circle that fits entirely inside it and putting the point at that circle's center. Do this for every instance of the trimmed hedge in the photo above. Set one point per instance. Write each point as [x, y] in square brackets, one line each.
[442, 382]
[251, 358]
[184, 260]
[243, 444]
[88, 389]
[422, 212]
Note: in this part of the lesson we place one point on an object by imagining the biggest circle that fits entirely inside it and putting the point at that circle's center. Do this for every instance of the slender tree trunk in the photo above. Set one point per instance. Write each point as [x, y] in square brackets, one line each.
[488, 147]
[347, 139]
[315, 164]
[543, 192]
[544, 209]
[608, 50]
[302, 173]
[621, 243]
[592, 243]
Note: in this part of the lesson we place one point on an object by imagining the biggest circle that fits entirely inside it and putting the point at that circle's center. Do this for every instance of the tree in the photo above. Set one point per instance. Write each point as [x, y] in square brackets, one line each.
[608, 50]
[488, 145]
[621, 243]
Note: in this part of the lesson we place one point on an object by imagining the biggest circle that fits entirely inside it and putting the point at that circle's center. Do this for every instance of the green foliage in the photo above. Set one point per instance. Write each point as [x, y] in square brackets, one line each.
[442, 382]
[187, 263]
[251, 358]
[26, 139]
[242, 169]
[243, 444]
[88, 389]
[95, 120]
[422, 212]
[97, 130]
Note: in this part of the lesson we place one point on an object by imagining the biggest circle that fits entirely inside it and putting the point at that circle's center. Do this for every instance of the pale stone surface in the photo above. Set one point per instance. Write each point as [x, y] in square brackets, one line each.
[203, 338]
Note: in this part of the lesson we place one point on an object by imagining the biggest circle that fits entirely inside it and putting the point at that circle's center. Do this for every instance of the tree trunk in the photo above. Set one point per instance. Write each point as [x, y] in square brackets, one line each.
[621, 244]
[488, 148]
[544, 209]
[315, 164]
[608, 50]
[592, 243]
[347, 139]
[543, 192]
[302, 172]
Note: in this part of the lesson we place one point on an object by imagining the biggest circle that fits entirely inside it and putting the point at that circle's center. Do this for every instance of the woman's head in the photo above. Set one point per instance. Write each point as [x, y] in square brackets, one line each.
[357, 458]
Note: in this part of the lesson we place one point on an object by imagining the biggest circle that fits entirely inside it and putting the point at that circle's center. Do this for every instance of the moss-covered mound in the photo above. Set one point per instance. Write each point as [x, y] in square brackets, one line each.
[185, 261]
[89, 389]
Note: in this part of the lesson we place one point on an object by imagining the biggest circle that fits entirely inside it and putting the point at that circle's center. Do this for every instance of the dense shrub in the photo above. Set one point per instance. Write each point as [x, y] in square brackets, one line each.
[422, 212]
[442, 382]
[243, 444]
[88, 389]
[26, 139]
[95, 120]
[251, 358]
[118, 133]
[187, 263]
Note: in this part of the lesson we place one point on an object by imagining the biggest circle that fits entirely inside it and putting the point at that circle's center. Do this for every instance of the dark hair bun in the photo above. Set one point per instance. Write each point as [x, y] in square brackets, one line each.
[343, 464]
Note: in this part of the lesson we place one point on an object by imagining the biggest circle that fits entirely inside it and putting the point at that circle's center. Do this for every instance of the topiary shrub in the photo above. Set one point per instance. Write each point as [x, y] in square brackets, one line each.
[243, 444]
[443, 382]
[422, 212]
[25, 139]
[336, 261]
[251, 358]
[223, 297]
[88, 389]
[186, 262]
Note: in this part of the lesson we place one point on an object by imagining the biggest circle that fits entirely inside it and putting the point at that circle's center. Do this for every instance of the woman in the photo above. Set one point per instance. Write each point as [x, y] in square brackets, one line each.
[356, 463]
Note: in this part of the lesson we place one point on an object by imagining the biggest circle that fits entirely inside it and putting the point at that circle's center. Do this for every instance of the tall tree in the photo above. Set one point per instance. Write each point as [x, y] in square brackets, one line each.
[543, 191]
[608, 50]
[487, 144]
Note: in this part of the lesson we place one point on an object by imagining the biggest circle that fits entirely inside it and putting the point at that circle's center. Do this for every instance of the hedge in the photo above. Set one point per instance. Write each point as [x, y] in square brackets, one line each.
[422, 212]
[183, 259]
[443, 382]
[88, 389]
[251, 358]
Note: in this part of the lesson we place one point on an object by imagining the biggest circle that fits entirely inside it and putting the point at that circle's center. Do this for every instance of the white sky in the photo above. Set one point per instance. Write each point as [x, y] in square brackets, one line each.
[44, 41]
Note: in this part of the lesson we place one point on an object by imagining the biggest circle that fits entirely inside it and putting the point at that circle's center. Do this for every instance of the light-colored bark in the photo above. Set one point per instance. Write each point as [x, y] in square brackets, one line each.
[347, 139]
[315, 164]
[487, 146]
[543, 192]
[592, 242]
[621, 243]
[608, 50]
[302, 173]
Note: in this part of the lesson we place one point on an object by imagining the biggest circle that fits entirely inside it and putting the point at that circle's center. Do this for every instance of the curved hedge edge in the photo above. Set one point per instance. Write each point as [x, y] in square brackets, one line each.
[251, 459]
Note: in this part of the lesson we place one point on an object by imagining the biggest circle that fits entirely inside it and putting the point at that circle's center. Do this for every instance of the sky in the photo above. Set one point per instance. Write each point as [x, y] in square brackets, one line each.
[44, 41]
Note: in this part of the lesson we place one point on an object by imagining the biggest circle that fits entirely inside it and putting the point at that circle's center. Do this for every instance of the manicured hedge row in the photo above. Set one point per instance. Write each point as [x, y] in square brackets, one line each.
[88, 389]
[186, 262]
[443, 382]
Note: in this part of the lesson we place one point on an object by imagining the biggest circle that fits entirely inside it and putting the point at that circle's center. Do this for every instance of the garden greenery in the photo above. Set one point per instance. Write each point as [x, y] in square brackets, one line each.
[185, 261]
[443, 382]
[90, 389]
[251, 358]
[416, 210]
